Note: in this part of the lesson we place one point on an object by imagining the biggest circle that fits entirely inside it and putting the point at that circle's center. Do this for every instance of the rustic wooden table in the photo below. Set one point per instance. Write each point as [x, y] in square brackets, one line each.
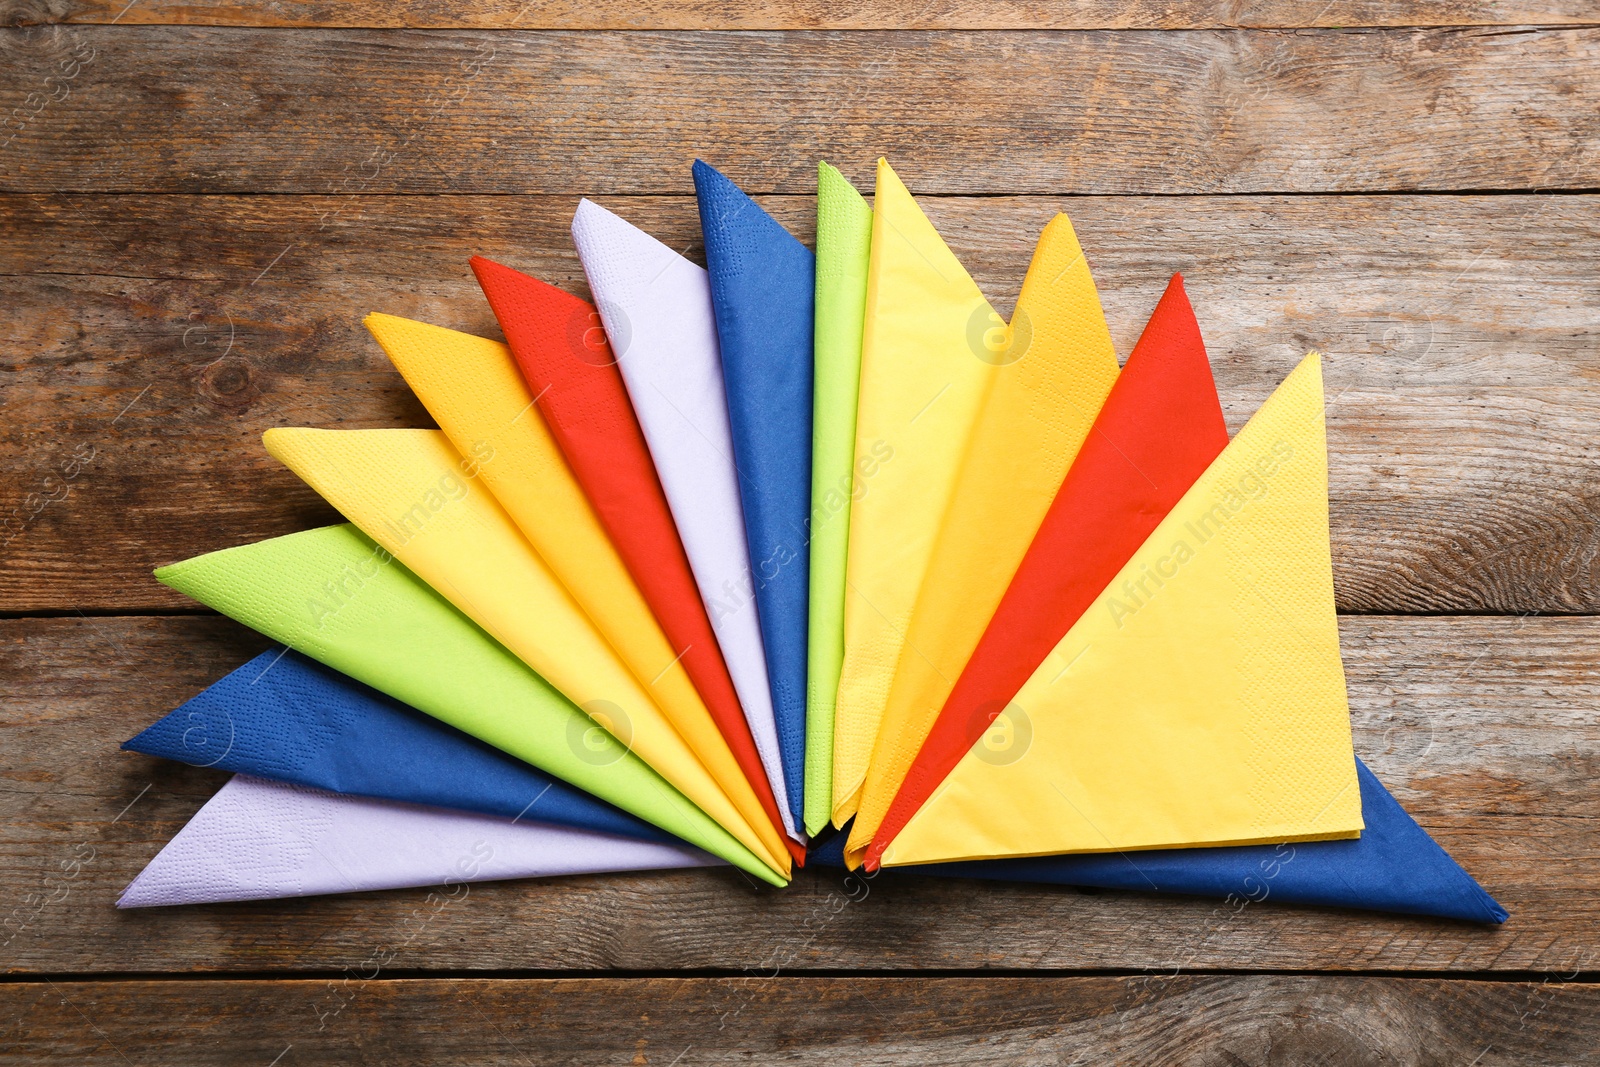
[201, 198]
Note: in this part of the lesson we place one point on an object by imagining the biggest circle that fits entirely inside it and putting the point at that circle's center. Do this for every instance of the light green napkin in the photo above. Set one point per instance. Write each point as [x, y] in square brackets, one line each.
[844, 238]
[339, 598]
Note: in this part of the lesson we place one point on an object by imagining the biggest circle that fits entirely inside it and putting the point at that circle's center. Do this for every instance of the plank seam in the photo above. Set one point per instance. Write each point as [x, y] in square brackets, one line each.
[1567, 978]
[679, 194]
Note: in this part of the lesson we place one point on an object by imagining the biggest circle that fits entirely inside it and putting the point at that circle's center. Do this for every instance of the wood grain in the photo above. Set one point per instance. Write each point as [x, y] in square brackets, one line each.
[200, 109]
[1260, 1021]
[806, 14]
[152, 337]
[161, 335]
[1486, 729]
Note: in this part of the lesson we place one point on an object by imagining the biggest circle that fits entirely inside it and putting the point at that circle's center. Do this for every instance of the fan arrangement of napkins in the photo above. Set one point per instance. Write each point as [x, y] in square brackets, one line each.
[799, 555]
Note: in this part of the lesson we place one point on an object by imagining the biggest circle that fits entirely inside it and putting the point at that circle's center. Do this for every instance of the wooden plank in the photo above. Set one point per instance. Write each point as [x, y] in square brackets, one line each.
[1190, 1019]
[813, 15]
[155, 338]
[1486, 729]
[190, 109]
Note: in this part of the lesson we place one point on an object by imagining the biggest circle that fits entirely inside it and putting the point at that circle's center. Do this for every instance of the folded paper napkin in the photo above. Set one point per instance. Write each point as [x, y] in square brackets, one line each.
[844, 242]
[260, 840]
[656, 306]
[924, 372]
[1201, 699]
[761, 292]
[472, 387]
[1054, 365]
[1159, 429]
[338, 597]
[1393, 866]
[287, 718]
[560, 347]
[410, 491]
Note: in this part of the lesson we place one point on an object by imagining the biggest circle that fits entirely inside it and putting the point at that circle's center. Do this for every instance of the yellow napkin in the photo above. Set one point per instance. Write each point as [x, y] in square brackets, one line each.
[1054, 366]
[924, 369]
[472, 387]
[1200, 700]
[410, 491]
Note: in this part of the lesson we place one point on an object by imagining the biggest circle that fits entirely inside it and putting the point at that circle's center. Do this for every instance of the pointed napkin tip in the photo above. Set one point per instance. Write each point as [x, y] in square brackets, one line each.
[710, 183]
[494, 275]
[274, 438]
[131, 897]
[707, 178]
[487, 270]
[590, 215]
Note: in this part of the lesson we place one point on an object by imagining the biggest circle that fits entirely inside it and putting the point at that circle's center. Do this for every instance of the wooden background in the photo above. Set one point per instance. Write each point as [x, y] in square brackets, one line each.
[199, 201]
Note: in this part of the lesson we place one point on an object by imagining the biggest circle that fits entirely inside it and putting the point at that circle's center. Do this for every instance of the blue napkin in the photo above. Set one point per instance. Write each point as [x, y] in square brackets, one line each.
[289, 718]
[1393, 866]
[761, 291]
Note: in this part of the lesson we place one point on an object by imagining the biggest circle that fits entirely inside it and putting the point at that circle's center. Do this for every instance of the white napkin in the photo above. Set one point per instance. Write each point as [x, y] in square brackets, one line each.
[260, 840]
[656, 307]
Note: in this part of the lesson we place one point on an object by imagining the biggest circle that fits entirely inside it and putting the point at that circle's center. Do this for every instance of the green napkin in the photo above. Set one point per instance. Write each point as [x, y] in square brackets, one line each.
[339, 598]
[844, 238]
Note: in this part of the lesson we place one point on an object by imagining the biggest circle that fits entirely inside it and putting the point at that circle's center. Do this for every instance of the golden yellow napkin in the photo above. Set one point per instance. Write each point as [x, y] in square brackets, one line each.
[410, 491]
[1054, 365]
[924, 369]
[1200, 700]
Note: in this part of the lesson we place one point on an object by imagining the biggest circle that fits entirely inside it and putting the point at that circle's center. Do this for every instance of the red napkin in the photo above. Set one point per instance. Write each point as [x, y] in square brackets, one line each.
[1159, 430]
[561, 347]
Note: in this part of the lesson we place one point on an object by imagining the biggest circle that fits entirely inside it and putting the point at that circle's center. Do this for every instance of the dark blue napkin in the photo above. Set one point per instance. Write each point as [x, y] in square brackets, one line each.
[289, 718]
[1393, 866]
[761, 291]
